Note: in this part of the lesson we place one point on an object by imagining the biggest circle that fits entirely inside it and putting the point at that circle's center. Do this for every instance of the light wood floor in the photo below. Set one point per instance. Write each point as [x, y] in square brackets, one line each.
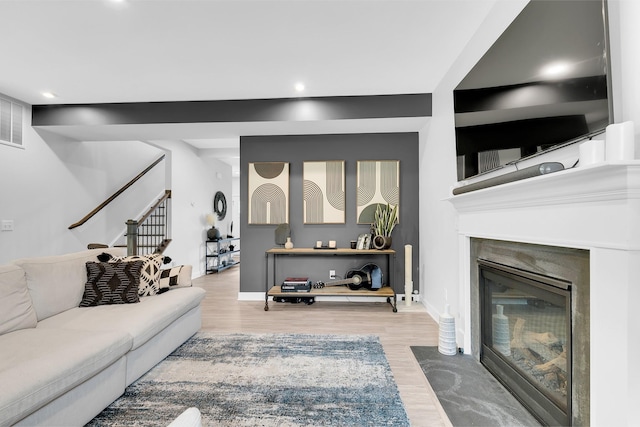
[223, 313]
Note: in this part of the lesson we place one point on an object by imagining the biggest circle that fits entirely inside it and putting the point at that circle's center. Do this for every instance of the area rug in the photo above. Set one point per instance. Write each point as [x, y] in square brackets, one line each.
[266, 380]
[468, 393]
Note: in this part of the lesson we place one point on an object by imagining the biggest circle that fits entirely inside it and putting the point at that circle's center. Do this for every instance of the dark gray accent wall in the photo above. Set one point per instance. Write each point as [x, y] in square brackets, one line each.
[295, 149]
[242, 110]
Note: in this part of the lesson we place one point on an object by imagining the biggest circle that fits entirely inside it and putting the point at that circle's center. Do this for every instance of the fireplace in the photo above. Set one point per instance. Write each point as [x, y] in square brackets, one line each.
[525, 337]
[531, 303]
[579, 225]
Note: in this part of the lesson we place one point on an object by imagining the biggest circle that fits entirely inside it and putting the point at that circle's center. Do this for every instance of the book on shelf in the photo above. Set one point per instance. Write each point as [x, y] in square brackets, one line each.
[297, 280]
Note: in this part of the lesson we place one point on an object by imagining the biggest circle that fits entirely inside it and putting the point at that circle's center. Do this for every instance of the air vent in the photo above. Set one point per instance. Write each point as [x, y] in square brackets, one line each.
[11, 122]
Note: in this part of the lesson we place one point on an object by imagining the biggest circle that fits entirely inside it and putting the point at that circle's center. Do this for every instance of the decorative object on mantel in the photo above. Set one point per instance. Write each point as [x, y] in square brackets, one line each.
[384, 221]
[213, 233]
[620, 145]
[447, 333]
[288, 244]
[591, 152]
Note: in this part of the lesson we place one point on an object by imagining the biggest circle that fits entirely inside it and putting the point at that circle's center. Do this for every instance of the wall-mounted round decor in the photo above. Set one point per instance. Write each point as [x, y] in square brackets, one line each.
[220, 205]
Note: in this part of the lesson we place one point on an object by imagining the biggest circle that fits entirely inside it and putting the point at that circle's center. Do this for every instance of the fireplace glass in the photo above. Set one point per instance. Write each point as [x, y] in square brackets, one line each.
[526, 338]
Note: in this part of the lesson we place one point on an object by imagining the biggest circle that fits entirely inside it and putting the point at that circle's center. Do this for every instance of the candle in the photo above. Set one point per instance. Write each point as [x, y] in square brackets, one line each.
[620, 142]
[591, 152]
[408, 282]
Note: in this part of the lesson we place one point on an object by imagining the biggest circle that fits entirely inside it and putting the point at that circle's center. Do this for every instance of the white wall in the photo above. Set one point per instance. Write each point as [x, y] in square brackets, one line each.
[53, 182]
[438, 226]
[194, 180]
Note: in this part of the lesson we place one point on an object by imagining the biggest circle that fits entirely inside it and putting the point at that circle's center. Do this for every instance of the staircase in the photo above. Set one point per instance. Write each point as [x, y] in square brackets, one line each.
[150, 233]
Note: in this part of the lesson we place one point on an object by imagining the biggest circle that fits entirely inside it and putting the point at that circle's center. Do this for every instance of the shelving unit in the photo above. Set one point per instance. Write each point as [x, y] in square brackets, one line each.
[274, 290]
[222, 254]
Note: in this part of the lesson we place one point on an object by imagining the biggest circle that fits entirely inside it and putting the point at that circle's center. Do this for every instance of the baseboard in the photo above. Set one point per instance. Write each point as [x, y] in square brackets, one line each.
[250, 296]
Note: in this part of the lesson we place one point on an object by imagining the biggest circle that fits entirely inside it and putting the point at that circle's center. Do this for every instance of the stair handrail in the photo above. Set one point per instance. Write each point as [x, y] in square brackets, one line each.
[167, 195]
[116, 194]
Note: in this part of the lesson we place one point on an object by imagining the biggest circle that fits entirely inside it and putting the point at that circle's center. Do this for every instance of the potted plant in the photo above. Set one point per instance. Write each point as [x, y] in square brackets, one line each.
[384, 221]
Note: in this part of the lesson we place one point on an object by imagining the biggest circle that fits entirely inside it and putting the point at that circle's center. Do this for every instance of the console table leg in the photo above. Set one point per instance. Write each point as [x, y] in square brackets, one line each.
[394, 303]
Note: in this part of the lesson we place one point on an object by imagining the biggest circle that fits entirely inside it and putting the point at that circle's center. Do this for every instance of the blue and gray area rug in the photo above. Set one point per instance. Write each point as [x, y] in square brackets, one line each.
[266, 380]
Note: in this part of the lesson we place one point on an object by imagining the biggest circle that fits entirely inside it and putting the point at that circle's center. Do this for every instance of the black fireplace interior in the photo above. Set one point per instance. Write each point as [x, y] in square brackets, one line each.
[526, 338]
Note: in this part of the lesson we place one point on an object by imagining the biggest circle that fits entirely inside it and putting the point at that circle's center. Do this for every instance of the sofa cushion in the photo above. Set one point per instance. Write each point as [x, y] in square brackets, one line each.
[56, 283]
[16, 310]
[142, 321]
[111, 283]
[39, 365]
[150, 272]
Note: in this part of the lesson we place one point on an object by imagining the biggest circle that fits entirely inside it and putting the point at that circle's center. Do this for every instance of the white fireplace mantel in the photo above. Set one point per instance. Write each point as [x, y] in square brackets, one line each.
[593, 206]
[596, 208]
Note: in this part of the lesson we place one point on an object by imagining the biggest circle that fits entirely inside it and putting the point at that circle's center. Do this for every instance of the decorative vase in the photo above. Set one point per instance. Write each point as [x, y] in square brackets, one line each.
[213, 233]
[288, 244]
[447, 333]
[381, 242]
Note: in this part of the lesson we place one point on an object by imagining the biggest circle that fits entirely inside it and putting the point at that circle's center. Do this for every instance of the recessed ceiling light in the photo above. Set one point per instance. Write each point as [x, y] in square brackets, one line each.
[49, 95]
[299, 87]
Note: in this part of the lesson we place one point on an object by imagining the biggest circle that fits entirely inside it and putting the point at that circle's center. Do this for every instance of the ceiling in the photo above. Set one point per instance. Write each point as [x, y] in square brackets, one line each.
[102, 51]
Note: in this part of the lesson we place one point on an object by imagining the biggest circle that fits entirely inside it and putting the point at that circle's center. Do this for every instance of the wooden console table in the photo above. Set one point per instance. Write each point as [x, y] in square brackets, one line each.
[275, 290]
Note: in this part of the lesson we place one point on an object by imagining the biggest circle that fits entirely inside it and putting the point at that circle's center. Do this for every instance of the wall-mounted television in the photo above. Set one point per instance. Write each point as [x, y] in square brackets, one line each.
[544, 84]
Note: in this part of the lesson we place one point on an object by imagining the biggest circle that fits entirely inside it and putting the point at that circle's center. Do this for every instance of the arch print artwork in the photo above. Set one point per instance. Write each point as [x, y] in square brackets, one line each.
[268, 193]
[378, 182]
[324, 194]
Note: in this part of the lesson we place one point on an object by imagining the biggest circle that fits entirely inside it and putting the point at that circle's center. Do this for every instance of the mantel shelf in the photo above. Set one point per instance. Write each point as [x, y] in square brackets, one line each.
[607, 181]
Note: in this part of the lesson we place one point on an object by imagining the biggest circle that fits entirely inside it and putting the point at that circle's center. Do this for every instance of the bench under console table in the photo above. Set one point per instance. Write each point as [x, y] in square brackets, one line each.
[274, 290]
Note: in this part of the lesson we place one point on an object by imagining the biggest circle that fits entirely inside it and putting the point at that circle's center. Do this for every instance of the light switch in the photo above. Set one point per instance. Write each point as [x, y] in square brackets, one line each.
[7, 225]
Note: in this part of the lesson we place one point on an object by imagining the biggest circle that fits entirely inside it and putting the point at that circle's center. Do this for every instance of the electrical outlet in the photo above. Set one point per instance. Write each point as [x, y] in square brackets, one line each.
[332, 274]
[7, 225]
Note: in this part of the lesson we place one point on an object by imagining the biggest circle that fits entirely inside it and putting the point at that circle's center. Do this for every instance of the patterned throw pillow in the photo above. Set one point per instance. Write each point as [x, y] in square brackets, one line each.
[150, 273]
[170, 278]
[111, 283]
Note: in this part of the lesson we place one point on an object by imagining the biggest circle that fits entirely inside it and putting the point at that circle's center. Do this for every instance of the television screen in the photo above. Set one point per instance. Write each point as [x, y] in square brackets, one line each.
[543, 84]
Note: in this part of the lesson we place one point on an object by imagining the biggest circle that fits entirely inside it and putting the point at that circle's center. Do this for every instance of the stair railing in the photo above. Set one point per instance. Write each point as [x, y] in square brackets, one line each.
[151, 233]
[114, 195]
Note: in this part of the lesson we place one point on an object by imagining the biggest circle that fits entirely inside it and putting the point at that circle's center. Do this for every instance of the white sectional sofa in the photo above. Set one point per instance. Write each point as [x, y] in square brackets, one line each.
[61, 364]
